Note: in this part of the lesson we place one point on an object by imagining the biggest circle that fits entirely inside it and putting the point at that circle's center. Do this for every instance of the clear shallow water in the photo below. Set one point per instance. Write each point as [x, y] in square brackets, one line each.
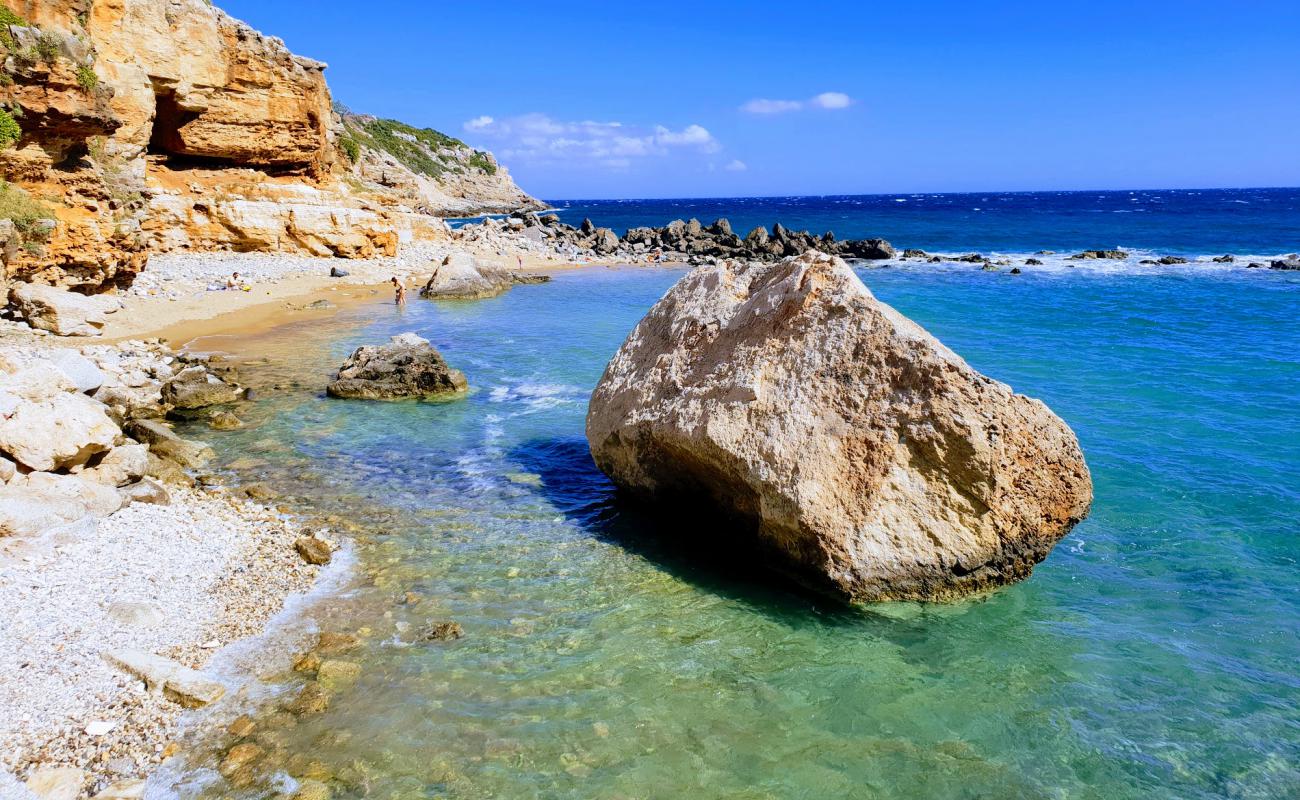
[1153, 655]
[1182, 222]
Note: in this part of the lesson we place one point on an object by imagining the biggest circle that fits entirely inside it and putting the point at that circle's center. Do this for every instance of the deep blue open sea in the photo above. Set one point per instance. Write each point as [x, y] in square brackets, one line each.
[1176, 222]
[1154, 655]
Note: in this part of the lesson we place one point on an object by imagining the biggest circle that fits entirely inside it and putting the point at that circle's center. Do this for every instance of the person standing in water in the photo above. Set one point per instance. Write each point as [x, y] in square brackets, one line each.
[400, 292]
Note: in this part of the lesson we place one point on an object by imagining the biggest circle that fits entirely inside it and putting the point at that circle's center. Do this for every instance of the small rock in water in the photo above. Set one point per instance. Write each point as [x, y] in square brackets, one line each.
[313, 550]
[334, 674]
[224, 421]
[312, 790]
[444, 632]
[307, 662]
[333, 643]
[407, 367]
[239, 756]
[242, 727]
[313, 699]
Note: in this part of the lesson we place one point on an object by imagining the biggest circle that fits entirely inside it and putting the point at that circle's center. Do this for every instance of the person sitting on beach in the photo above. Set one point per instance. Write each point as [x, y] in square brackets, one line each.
[400, 290]
[233, 281]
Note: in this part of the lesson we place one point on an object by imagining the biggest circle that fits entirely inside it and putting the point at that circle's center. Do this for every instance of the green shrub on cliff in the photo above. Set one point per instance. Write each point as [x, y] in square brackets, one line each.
[10, 132]
[350, 147]
[87, 79]
[8, 18]
[416, 148]
[480, 161]
[49, 47]
[27, 215]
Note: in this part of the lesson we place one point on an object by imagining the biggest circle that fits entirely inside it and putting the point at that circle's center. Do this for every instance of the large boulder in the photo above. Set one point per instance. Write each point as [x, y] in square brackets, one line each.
[164, 442]
[61, 312]
[33, 504]
[62, 431]
[196, 387]
[406, 367]
[461, 277]
[859, 452]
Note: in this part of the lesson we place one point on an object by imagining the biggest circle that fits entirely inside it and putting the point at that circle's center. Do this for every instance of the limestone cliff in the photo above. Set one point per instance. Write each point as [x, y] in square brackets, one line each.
[154, 125]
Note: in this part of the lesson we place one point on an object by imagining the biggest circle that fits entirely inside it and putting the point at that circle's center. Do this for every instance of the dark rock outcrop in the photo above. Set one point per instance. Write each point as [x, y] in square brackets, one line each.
[1091, 255]
[406, 367]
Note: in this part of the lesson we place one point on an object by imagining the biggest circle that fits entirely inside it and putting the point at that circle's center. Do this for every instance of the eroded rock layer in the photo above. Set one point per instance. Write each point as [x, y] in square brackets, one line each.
[851, 446]
[156, 125]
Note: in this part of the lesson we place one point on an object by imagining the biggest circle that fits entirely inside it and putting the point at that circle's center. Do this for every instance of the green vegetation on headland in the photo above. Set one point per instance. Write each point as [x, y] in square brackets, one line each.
[421, 150]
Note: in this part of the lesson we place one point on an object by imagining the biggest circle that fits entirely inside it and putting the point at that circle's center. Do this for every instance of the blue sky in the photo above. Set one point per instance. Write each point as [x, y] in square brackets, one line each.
[686, 99]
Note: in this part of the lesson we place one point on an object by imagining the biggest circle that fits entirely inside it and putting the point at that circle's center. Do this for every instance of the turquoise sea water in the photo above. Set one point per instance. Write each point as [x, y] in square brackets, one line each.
[1153, 655]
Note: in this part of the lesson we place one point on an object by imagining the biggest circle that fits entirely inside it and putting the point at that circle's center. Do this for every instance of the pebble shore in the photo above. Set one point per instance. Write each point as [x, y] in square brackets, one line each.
[182, 580]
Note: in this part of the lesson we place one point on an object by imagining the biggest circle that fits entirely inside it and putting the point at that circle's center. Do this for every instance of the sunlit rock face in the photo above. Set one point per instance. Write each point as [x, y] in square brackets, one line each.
[849, 445]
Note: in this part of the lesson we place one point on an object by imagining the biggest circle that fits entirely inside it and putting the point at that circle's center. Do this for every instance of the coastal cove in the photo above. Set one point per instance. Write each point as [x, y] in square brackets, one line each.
[1147, 657]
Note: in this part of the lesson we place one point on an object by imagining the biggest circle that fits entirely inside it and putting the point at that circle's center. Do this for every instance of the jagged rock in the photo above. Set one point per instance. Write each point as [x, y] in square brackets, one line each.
[852, 447]
[62, 431]
[120, 466]
[196, 387]
[313, 699]
[149, 491]
[443, 632]
[1033, 262]
[1291, 262]
[224, 421]
[406, 367]
[1224, 259]
[61, 312]
[313, 550]
[1170, 260]
[80, 370]
[912, 253]
[1089, 255]
[164, 442]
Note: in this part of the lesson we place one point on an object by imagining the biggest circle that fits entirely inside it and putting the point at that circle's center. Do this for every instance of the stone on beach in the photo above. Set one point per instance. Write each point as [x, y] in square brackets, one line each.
[313, 550]
[40, 501]
[164, 442]
[62, 431]
[178, 683]
[56, 783]
[859, 452]
[62, 312]
[196, 387]
[406, 367]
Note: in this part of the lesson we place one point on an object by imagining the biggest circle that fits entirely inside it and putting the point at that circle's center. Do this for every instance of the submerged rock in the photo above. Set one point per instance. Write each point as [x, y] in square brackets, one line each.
[859, 452]
[406, 367]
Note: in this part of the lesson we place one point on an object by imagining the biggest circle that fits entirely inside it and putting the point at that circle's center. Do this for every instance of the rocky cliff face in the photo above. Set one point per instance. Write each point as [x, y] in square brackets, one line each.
[153, 125]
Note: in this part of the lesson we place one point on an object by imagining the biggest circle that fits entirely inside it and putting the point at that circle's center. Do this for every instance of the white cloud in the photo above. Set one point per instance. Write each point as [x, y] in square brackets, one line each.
[537, 139]
[828, 101]
[831, 101]
[765, 106]
[736, 166]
